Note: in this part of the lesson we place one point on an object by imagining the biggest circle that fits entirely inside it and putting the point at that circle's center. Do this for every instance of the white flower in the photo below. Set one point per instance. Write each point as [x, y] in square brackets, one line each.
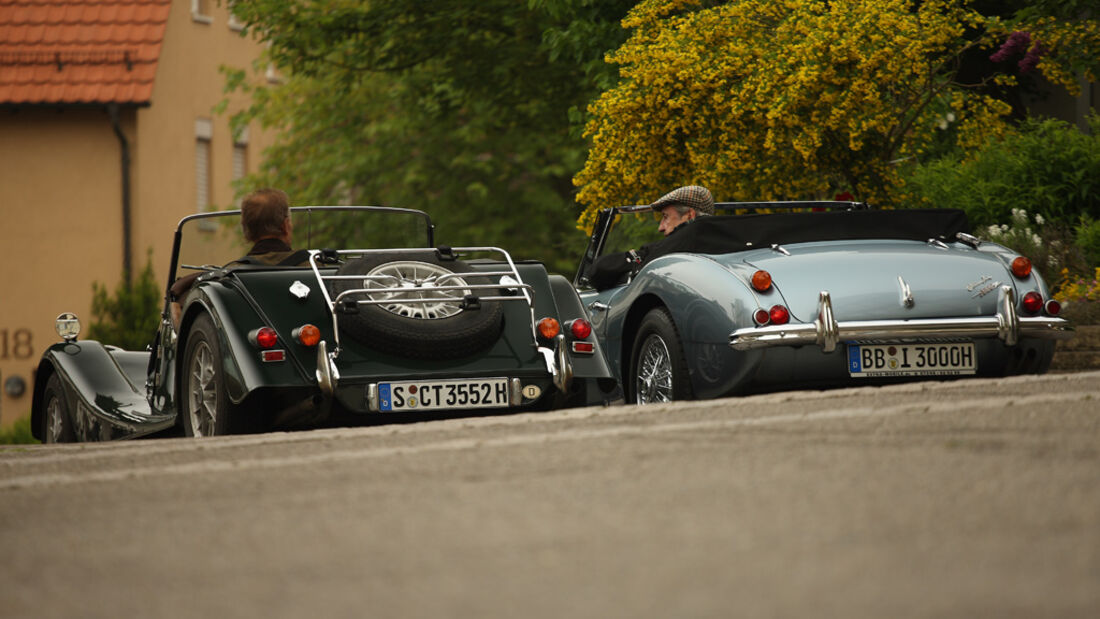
[951, 117]
[1036, 240]
[1038, 219]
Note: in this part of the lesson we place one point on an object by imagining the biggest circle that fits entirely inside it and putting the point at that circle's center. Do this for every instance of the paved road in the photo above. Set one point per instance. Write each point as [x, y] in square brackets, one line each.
[969, 499]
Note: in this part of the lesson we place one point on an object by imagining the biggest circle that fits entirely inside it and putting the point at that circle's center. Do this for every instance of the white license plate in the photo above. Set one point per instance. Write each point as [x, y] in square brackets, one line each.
[424, 395]
[945, 359]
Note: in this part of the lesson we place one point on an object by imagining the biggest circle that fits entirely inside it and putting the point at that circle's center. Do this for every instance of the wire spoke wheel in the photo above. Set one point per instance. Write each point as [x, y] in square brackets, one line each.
[54, 422]
[420, 295]
[658, 372]
[57, 424]
[412, 303]
[202, 392]
[654, 379]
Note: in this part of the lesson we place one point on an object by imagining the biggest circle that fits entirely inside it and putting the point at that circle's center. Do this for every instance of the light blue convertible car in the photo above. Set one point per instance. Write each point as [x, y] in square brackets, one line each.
[806, 295]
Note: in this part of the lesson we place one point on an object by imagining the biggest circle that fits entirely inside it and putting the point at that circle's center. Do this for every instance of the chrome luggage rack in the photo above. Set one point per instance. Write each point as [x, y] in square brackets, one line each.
[435, 292]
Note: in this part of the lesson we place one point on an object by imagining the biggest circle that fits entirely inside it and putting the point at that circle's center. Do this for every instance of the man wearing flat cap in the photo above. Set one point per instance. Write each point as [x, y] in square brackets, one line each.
[682, 205]
[677, 209]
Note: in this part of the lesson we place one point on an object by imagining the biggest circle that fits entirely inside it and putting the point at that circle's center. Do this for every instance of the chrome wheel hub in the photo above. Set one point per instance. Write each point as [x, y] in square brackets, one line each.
[202, 391]
[654, 380]
[420, 295]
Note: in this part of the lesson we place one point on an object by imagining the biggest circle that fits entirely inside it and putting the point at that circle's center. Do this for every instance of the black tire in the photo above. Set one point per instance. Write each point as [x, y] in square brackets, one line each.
[658, 372]
[441, 330]
[204, 405]
[57, 419]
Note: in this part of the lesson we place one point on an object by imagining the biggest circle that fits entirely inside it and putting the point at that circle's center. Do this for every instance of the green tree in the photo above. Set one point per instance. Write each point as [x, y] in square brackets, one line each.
[802, 98]
[128, 318]
[464, 109]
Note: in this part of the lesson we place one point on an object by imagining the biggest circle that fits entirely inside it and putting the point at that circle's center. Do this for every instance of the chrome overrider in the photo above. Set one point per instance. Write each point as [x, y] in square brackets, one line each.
[827, 332]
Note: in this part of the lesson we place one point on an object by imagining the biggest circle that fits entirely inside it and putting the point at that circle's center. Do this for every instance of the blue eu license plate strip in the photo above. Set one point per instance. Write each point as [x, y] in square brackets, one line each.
[443, 394]
[936, 359]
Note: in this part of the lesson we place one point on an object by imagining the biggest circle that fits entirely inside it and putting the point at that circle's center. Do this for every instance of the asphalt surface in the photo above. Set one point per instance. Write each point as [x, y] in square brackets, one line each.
[976, 498]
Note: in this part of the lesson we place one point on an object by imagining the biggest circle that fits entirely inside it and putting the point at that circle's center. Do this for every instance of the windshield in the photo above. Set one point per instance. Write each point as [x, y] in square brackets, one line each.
[215, 240]
[631, 231]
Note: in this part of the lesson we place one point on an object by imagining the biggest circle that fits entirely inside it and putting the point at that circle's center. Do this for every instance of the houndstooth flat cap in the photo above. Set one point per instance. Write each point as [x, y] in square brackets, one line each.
[691, 196]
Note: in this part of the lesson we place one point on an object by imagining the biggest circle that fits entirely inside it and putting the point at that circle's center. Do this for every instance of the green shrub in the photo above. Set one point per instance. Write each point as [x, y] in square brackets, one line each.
[19, 433]
[1047, 167]
[1051, 247]
[1087, 239]
[128, 318]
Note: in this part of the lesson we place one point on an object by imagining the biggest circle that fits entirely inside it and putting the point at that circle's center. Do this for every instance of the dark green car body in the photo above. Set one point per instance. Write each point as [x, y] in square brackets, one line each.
[104, 393]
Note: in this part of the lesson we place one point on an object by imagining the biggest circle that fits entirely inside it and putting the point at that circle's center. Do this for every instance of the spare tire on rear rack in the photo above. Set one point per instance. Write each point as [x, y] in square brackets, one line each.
[421, 320]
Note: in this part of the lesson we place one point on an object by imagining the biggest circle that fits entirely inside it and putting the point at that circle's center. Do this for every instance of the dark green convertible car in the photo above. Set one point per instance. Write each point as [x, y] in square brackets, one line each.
[375, 322]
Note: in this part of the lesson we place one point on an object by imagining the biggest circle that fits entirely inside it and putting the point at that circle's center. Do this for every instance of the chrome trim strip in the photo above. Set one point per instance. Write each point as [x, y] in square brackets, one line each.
[826, 332]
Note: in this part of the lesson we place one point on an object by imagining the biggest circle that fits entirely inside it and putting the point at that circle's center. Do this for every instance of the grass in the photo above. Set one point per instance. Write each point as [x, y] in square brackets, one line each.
[18, 433]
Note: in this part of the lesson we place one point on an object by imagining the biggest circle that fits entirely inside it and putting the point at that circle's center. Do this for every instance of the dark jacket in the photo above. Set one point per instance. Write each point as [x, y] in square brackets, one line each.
[612, 270]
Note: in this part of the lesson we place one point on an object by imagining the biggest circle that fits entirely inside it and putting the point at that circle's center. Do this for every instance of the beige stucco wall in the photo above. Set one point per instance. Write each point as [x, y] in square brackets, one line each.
[61, 188]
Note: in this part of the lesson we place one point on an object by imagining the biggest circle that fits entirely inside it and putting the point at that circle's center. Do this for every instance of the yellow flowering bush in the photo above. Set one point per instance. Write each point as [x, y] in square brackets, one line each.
[1072, 288]
[784, 99]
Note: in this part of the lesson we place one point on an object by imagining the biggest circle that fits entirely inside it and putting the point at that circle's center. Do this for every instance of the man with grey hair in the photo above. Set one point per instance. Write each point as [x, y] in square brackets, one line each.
[677, 208]
[682, 205]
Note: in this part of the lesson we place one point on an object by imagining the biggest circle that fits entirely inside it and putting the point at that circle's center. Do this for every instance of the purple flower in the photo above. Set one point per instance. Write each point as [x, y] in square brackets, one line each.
[1031, 58]
[1016, 44]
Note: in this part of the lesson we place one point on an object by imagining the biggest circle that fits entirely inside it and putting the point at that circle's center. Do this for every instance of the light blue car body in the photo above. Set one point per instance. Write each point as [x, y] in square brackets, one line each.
[876, 290]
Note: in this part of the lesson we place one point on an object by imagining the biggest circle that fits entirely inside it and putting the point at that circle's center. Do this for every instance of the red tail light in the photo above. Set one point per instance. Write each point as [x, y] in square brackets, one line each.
[1021, 267]
[1033, 302]
[761, 317]
[264, 337]
[549, 328]
[761, 281]
[1053, 307]
[779, 315]
[580, 328]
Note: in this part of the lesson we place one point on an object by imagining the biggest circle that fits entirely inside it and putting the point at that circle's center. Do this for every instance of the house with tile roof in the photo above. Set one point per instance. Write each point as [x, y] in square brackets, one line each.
[107, 138]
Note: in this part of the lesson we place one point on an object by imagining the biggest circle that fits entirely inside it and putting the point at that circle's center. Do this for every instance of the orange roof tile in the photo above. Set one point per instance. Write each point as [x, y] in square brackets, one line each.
[80, 51]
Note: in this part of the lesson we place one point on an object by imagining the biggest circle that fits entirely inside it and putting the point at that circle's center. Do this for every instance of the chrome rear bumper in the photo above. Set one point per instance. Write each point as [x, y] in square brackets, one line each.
[826, 332]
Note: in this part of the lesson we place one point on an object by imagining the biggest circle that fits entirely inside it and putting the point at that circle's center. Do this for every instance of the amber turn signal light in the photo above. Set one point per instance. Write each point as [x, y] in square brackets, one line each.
[1021, 267]
[549, 328]
[307, 335]
[761, 281]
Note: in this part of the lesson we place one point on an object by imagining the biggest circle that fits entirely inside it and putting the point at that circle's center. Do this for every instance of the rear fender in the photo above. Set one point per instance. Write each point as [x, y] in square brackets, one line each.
[234, 317]
[569, 308]
[706, 301]
[103, 389]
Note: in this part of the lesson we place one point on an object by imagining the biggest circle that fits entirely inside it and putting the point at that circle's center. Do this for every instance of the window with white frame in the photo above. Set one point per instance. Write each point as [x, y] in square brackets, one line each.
[204, 133]
[240, 154]
[200, 11]
[234, 23]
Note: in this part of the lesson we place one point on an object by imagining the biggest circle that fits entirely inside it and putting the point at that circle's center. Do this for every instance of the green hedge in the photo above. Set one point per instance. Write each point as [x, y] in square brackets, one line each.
[19, 433]
[1047, 170]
